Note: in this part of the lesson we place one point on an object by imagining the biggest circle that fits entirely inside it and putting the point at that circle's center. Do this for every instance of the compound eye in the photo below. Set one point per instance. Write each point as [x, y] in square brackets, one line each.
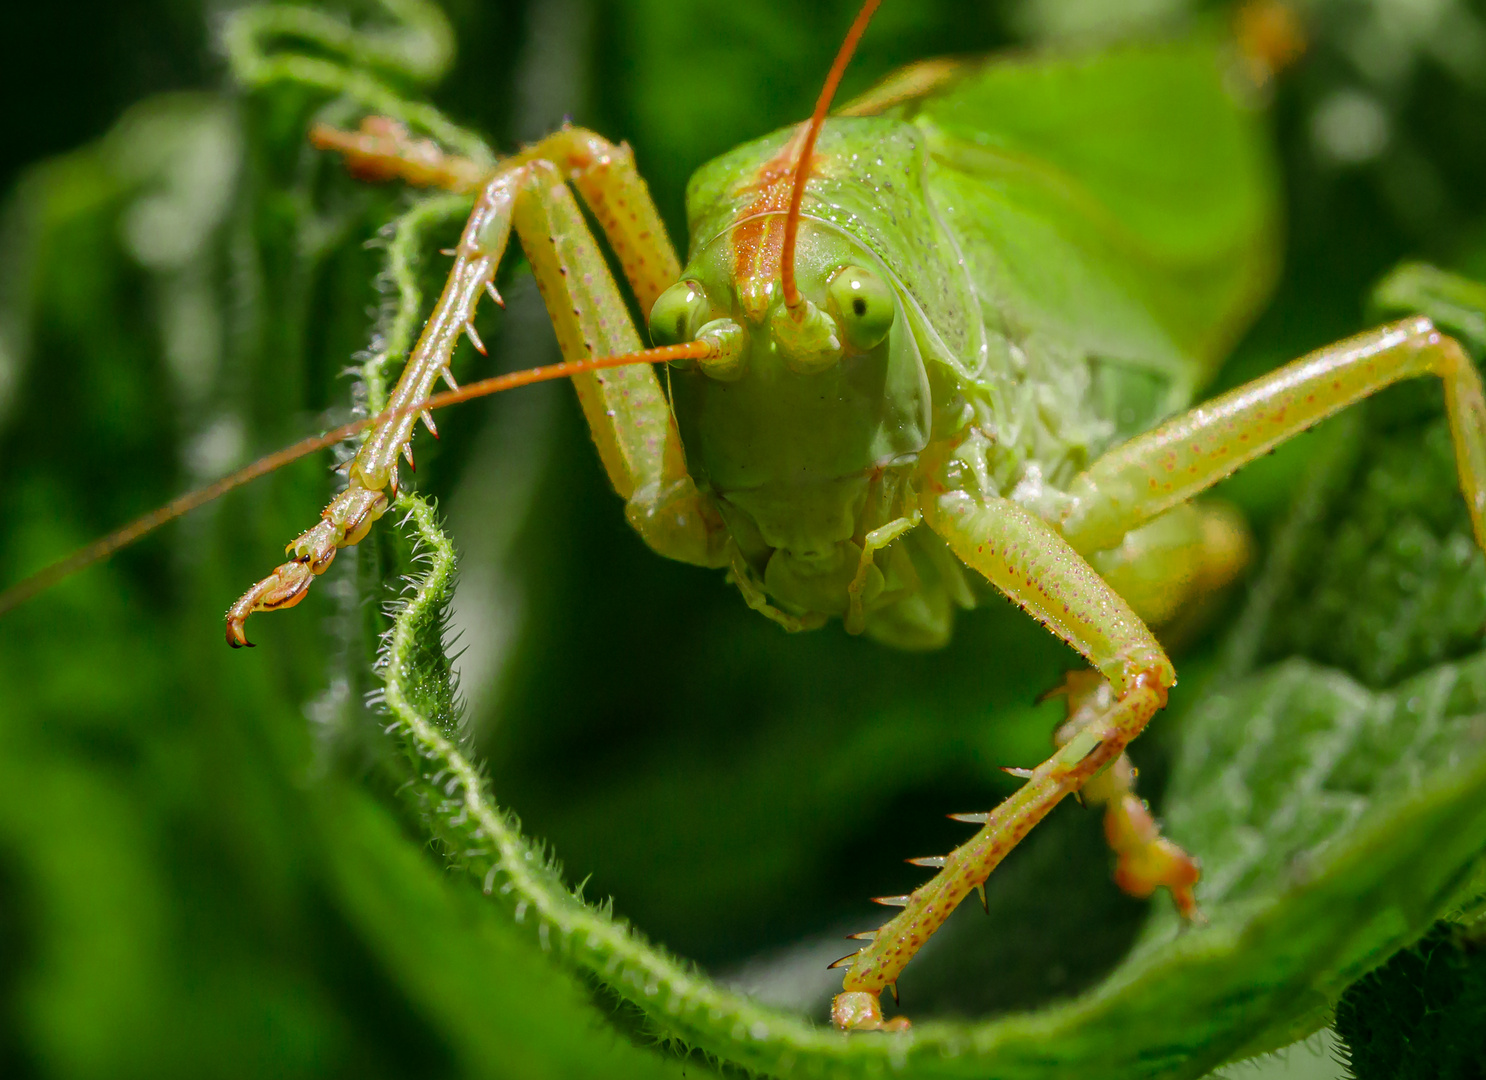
[863, 304]
[679, 313]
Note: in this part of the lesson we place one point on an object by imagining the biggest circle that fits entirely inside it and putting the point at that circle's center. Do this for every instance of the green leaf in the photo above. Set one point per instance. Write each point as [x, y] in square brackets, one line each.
[1419, 1015]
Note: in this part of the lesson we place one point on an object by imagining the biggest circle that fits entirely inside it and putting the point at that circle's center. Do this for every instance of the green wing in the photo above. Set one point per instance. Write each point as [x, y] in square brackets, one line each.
[1122, 202]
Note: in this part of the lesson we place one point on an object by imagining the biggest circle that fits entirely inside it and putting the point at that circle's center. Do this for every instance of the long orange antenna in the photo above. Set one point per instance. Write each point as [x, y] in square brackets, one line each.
[802, 165]
[99, 550]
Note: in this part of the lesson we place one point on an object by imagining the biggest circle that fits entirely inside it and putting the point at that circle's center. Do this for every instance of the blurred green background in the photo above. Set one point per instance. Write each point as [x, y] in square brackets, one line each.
[203, 865]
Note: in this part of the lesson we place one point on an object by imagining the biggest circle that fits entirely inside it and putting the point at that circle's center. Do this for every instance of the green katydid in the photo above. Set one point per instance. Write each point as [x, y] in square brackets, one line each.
[922, 379]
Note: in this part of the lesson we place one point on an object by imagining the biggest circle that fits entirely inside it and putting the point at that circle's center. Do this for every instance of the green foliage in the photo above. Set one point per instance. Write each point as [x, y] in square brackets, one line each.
[1419, 1015]
[195, 880]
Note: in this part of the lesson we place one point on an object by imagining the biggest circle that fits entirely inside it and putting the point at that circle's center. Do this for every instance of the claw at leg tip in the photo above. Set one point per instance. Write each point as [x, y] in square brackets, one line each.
[235, 635]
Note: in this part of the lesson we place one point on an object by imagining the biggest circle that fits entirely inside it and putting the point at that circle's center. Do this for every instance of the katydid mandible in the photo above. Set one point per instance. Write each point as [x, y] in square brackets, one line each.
[927, 351]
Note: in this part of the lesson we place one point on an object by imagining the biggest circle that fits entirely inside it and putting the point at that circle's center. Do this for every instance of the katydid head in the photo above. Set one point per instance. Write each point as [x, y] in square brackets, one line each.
[794, 410]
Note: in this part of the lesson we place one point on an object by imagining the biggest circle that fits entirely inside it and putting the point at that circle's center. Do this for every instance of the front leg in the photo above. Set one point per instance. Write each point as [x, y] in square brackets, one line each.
[626, 409]
[1036, 568]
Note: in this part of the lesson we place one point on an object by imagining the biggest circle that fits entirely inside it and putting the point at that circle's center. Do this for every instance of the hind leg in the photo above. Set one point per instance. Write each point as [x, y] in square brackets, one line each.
[1136, 482]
